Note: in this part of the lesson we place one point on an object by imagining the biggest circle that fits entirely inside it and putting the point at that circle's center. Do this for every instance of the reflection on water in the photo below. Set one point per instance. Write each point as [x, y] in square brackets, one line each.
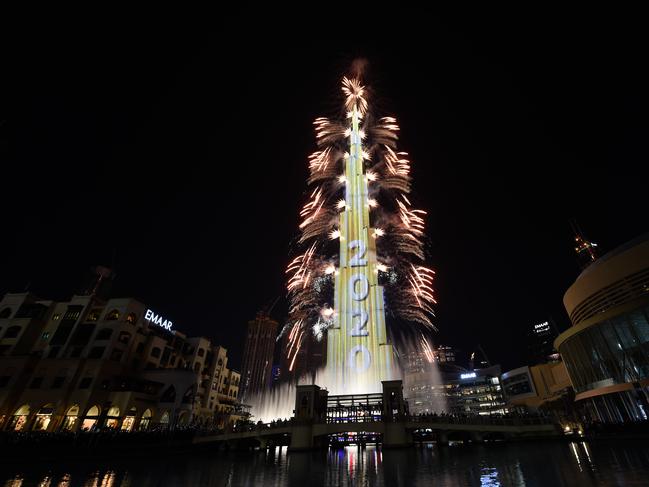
[523, 464]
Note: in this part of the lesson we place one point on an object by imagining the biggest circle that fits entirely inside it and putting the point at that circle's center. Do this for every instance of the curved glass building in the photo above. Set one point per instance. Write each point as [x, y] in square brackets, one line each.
[606, 351]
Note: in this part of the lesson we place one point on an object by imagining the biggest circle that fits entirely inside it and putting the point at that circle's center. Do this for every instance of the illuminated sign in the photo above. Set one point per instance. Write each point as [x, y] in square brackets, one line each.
[470, 375]
[157, 319]
[542, 327]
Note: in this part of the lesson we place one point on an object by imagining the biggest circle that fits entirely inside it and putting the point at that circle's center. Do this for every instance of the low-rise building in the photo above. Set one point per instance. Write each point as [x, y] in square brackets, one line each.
[606, 350]
[93, 363]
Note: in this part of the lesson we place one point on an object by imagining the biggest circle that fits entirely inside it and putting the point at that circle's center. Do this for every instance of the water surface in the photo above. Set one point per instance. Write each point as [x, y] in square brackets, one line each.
[516, 464]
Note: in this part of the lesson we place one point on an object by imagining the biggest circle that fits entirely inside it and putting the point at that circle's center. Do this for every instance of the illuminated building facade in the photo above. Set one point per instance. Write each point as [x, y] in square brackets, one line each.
[423, 383]
[93, 363]
[531, 387]
[443, 386]
[476, 392]
[258, 354]
[359, 355]
[606, 351]
[444, 354]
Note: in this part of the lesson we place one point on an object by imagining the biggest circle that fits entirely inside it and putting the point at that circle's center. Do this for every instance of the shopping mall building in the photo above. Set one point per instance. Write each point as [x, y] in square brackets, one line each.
[91, 363]
[606, 350]
[442, 386]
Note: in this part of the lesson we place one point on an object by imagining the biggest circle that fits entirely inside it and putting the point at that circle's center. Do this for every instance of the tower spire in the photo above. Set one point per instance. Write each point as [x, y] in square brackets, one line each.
[585, 249]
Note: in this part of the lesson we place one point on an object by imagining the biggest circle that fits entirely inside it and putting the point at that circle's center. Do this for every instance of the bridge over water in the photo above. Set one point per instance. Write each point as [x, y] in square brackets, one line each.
[318, 416]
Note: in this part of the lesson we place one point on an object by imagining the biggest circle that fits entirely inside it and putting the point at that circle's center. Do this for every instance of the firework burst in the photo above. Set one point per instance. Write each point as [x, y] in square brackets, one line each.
[398, 228]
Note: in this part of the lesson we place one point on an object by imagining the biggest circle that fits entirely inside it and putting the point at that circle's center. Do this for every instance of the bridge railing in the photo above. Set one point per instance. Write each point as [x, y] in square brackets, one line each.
[423, 419]
[480, 420]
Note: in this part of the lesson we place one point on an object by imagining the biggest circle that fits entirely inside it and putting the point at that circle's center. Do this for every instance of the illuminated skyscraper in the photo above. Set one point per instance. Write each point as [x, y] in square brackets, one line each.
[258, 355]
[359, 355]
[540, 340]
[359, 200]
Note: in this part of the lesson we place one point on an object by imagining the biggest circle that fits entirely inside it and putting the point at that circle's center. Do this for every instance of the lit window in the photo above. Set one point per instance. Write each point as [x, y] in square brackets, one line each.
[113, 315]
[93, 315]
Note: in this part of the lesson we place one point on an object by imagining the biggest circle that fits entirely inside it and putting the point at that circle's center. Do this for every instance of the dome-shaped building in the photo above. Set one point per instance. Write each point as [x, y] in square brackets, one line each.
[606, 351]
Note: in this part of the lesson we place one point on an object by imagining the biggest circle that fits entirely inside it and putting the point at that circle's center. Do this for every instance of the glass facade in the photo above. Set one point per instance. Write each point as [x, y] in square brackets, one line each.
[481, 395]
[614, 351]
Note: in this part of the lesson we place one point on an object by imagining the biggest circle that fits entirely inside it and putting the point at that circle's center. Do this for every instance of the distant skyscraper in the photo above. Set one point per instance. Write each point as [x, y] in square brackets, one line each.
[258, 355]
[541, 342]
[444, 354]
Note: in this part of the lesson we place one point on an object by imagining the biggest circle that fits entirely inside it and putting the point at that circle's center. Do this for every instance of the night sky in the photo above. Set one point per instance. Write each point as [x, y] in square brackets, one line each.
[176, 151]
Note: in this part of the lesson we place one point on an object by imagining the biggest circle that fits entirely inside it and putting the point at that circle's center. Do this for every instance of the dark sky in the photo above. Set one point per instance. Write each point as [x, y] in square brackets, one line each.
[178, 150]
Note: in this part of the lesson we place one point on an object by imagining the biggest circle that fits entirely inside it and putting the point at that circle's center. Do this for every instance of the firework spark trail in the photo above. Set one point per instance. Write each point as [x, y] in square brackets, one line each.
[427, 349]
[397, 227]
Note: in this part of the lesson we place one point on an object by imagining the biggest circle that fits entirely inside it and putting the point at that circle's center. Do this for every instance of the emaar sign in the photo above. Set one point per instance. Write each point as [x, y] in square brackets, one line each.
[158, 320]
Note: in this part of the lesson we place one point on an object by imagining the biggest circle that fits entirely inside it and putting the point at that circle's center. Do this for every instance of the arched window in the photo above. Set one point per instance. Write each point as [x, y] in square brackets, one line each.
[129, 420]
[43, 417]
[5, 313]
[93, 315]
[73, 411]
[19, 419]
[124, 337]
[183, 418]
[12, 332]
[155, 352]
[90, 421]
[70, 420]
[201, 352]
[188, 396]
[104, 334]
[164, 419]
[113, 315]
[131, 318]
[146, 420]
[112, 417]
